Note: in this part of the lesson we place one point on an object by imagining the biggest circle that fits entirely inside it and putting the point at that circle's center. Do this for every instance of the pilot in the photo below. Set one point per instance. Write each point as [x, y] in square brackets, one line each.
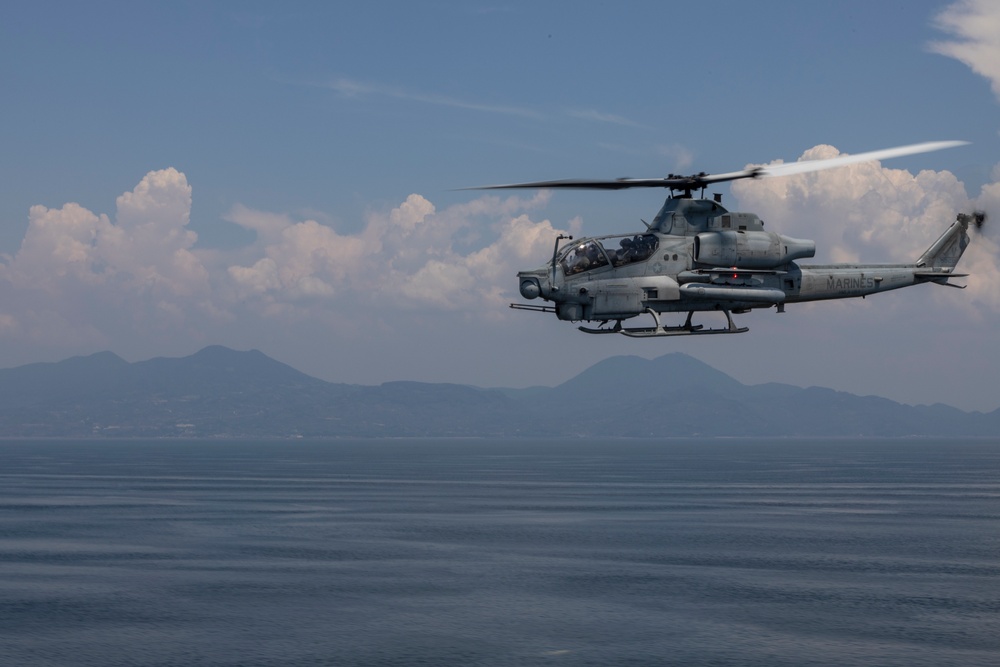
[580, 260]
[594, 257]
[626, 253]
[644, 246]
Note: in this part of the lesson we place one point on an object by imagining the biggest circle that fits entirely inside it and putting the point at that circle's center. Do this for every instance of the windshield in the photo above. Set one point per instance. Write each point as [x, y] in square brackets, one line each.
[584, 257]
[616, 250]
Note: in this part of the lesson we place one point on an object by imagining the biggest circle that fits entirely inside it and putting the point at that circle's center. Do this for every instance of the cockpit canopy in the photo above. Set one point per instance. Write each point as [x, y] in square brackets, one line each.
[589, 254]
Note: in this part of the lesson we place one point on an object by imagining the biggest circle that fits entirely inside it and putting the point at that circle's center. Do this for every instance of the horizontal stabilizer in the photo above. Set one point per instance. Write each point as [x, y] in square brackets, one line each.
[937, 275]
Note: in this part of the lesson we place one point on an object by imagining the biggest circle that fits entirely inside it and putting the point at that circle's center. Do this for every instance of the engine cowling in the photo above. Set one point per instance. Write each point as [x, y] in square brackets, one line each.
[750, 249]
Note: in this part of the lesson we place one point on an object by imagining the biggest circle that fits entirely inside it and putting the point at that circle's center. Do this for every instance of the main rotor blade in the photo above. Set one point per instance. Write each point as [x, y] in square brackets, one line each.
[701, 180]
[842, 160]
[585, 184]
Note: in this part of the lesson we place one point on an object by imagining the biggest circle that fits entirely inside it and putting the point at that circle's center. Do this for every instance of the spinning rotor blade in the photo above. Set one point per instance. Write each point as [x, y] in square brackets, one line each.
[841, 160]
[702, 180]
[588, 184]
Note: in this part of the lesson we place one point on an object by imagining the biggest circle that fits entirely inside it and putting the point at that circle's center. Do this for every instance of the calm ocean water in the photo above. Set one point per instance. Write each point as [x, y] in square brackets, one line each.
[500, 553]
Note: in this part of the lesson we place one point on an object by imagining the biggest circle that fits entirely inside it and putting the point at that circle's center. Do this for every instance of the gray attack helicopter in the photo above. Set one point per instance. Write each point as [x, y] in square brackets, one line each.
[697, 256]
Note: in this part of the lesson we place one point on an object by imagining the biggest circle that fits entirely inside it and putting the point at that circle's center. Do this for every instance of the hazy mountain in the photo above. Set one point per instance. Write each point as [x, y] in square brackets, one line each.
[677, 395]
[219, 392]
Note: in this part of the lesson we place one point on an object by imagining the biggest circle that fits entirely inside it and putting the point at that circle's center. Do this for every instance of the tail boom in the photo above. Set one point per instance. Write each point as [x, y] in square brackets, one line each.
[936, 265]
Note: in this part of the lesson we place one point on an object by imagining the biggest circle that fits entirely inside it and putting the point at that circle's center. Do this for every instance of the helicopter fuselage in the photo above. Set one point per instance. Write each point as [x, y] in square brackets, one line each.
[697, 256]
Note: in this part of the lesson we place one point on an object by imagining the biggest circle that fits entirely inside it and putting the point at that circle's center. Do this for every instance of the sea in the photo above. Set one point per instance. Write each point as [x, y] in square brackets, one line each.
[488, 552]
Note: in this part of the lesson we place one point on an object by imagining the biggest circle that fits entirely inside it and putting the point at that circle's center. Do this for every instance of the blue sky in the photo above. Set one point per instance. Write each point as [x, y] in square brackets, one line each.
[285, 177]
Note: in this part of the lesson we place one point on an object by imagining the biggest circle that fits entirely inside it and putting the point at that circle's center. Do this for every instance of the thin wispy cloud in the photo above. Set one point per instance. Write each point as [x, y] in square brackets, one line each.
[601, 117]
[352, 88]
[680, 157]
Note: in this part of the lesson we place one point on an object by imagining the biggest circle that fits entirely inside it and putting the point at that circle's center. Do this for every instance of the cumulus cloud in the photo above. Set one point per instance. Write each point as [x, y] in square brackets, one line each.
[147, 249]
[80, 279]
[73, 253]
[975, 27]
[482, 279]
[307, 259]
[866, 212]
[410, 256]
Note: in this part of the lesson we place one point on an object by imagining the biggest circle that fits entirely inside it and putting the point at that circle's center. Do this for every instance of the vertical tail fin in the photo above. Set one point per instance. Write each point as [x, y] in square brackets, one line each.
[947, 250]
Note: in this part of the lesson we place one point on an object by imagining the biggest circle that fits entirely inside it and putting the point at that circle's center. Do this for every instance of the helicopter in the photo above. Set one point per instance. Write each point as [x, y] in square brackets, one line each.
[697, 256]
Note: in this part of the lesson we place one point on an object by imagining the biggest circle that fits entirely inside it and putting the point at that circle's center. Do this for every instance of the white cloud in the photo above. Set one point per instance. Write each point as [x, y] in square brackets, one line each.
[975, 26]
[148, 249]
[77, 273]
[482, 280]
[307, 260]
[59, 244]
[82, 280]
[983, 261]
[412, 256]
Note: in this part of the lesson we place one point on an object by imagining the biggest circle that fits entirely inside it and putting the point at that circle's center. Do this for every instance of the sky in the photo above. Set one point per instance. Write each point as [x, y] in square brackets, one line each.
[288, 177]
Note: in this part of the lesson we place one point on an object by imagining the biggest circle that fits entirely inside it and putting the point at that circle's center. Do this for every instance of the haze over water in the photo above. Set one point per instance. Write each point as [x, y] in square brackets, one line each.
[480, 552]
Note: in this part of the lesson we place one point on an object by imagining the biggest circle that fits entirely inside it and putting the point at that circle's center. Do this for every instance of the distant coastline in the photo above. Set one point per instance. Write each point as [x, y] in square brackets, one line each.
[223, 394]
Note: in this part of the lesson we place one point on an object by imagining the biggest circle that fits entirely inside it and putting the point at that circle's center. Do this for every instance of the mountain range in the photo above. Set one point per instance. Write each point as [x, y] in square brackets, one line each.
[219, 392]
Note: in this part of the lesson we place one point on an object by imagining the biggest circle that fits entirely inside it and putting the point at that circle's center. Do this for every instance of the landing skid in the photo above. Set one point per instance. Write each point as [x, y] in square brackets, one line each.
[686, 329]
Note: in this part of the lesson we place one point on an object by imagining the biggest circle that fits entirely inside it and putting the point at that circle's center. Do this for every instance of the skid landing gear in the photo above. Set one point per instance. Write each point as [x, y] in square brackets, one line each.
[658, 330]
